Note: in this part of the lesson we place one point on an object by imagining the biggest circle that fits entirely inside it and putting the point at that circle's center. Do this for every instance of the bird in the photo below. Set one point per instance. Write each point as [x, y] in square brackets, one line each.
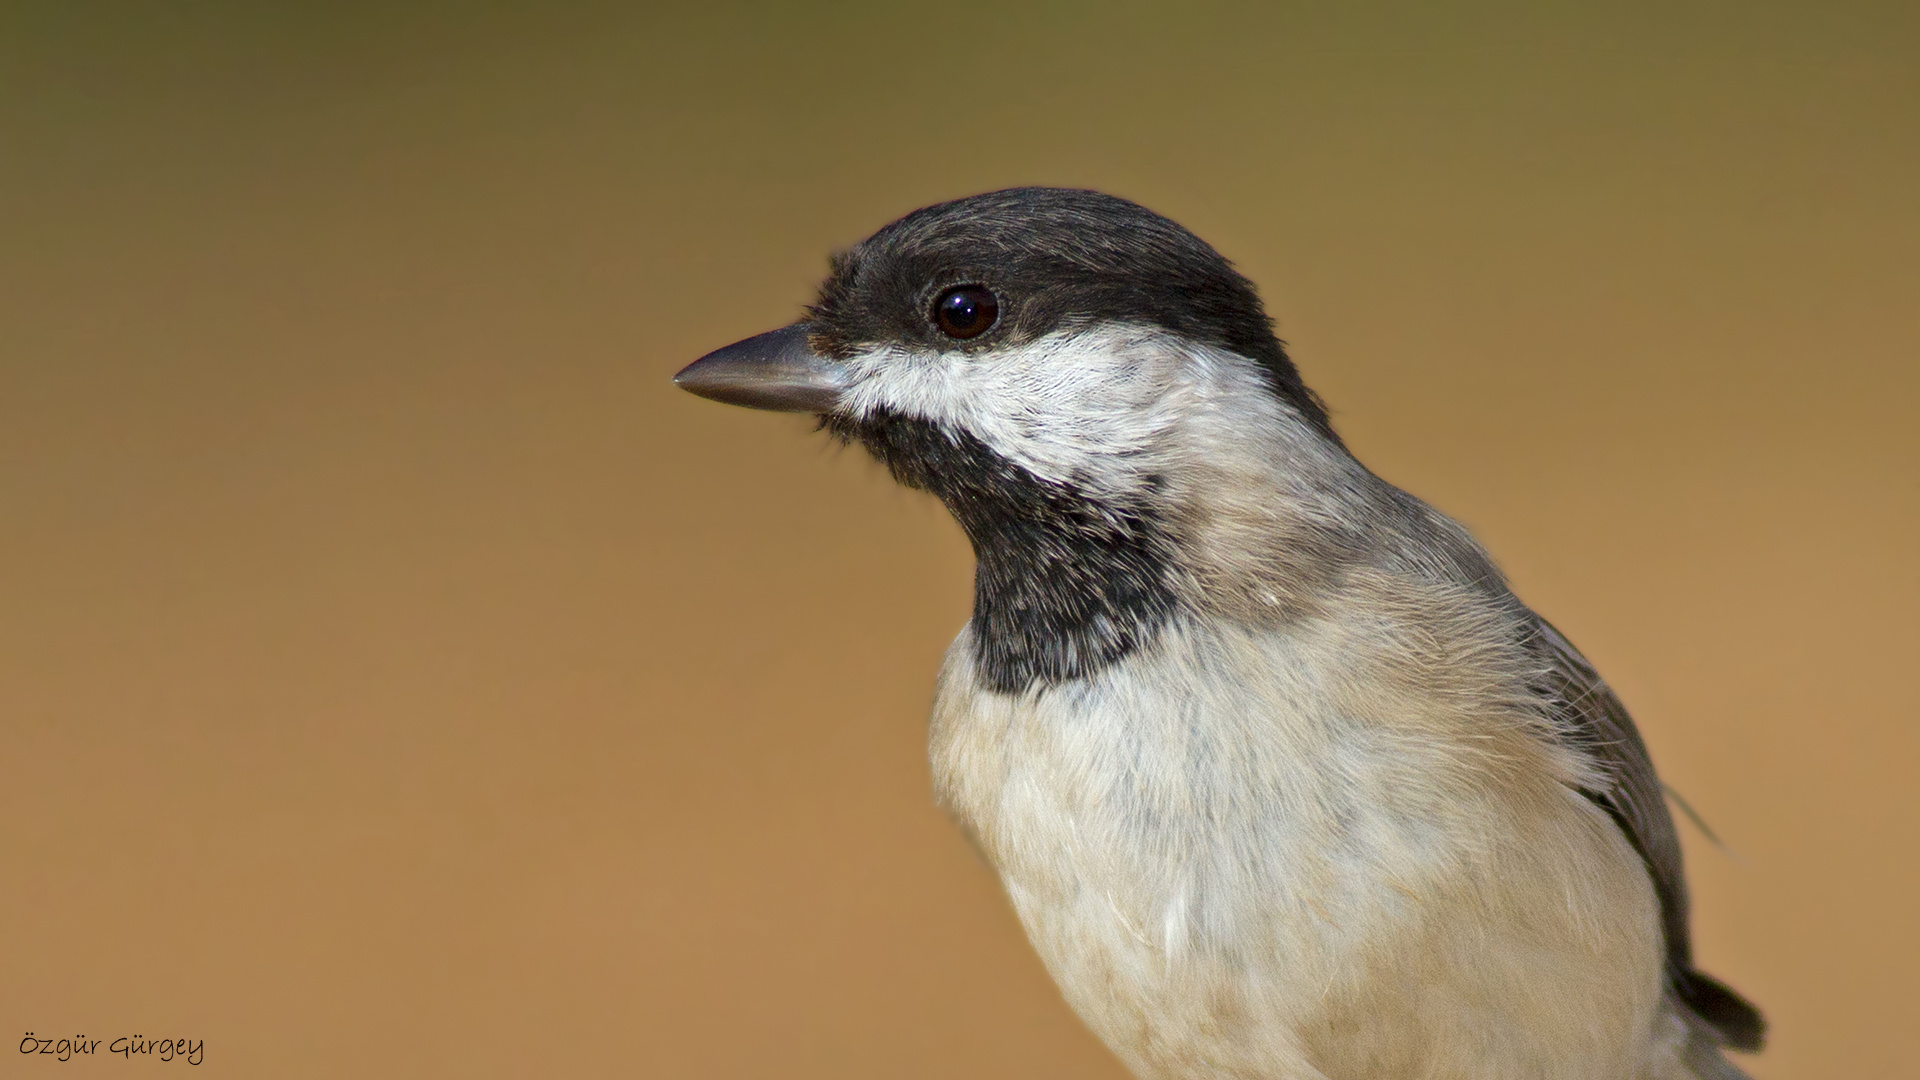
[1280, 776]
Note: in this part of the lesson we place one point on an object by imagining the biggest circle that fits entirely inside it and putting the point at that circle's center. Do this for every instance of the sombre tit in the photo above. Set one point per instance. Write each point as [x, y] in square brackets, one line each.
[1281, 778]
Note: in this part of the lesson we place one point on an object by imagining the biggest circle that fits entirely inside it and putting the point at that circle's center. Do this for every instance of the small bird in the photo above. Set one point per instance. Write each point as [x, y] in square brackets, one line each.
[1281, 778]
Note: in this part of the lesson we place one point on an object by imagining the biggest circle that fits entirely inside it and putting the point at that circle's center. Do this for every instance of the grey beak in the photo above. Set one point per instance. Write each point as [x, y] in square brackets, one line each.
[776, 370]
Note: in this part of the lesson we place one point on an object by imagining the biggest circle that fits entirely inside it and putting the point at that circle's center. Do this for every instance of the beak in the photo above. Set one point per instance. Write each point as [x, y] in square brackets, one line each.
[777, 370]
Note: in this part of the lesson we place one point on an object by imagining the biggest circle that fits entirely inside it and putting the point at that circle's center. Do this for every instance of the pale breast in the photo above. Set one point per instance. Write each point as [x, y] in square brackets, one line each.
[1246, 853]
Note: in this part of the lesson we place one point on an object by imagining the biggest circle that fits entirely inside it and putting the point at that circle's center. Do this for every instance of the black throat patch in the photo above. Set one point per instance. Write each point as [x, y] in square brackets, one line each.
[1064, 585]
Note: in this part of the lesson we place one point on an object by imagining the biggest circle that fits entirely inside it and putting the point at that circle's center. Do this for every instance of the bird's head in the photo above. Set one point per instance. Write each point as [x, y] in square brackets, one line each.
[1059, 367]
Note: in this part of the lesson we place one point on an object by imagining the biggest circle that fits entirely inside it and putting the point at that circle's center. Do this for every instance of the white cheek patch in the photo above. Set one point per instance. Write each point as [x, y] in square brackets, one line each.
[1086, 406]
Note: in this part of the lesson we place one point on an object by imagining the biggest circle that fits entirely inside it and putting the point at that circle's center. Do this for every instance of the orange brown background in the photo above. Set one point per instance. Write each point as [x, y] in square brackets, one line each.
[399, 678]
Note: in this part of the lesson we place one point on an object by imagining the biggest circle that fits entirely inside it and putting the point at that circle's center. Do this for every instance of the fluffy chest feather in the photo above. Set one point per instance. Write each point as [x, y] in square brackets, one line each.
[1233, 840]
[1197, 786]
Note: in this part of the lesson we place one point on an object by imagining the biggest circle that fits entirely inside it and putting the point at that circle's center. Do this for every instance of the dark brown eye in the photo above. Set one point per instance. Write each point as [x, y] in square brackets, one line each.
[965, 311]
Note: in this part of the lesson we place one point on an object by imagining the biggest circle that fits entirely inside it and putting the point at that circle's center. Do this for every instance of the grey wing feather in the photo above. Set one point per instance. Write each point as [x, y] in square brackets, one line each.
[1599, 725]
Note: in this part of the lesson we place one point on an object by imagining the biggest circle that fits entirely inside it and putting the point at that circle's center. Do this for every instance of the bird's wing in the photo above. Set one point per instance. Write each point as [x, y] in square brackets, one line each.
[1632, 794]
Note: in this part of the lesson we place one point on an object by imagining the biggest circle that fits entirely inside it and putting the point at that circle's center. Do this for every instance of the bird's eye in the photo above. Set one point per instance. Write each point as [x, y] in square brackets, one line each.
[965, 311]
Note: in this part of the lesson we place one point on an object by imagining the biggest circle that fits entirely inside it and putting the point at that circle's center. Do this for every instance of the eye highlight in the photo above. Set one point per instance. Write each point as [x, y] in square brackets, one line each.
[966, 311]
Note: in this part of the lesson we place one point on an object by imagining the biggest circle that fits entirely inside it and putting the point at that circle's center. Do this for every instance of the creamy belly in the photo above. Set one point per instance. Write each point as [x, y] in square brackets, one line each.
[1264, 854]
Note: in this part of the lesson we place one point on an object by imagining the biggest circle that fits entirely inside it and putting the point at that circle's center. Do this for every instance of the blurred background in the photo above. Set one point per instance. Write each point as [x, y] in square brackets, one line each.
[398, 677]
